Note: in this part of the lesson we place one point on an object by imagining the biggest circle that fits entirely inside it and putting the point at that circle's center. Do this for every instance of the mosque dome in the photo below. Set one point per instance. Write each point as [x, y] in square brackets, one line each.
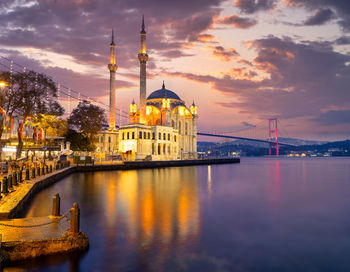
[163, 93]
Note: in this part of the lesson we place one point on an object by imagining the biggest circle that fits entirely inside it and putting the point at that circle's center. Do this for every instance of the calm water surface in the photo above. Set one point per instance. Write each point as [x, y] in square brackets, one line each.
[260, 215]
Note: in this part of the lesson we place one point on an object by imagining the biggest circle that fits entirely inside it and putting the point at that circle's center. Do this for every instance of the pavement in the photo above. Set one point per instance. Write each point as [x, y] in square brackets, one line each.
[53, 230]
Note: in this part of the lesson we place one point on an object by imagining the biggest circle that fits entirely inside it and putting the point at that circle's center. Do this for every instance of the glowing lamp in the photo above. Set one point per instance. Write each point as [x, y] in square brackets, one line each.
[2, 84]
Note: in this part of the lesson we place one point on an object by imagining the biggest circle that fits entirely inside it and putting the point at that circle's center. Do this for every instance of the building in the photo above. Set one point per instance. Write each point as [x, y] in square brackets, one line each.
[162, 127]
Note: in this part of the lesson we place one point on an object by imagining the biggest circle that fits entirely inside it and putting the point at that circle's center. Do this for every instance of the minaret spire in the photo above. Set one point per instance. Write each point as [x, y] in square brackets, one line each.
[112, 43]
[143, 25]
[112, 67]
[143, 58]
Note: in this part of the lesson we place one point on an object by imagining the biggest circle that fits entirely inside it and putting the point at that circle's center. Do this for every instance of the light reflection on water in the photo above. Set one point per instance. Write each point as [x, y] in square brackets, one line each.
[260, 215]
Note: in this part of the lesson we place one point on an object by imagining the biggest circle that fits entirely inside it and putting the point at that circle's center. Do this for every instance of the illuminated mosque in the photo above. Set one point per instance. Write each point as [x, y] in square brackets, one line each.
[160, 128]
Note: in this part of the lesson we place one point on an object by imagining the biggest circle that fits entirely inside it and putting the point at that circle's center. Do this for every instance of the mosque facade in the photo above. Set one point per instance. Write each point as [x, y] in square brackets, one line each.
[161, 127]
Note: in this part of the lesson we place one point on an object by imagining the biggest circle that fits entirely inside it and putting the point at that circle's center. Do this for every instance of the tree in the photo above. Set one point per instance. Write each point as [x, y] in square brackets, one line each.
[50, 124]
[79, 142]
[29, 94]
[87, 119]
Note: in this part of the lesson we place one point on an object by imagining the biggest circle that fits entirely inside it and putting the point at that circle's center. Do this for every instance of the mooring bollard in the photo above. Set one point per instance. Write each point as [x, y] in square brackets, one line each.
[4, 186]
[75, 218]
[47, 169]
[27, 174]
[33, 173]
[20, 177]
[56, 205]
[15, 179]
[10, 187]
[50, 168]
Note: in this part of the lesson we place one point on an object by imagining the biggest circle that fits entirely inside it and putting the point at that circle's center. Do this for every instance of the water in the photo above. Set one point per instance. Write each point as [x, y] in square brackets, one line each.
[259, 215]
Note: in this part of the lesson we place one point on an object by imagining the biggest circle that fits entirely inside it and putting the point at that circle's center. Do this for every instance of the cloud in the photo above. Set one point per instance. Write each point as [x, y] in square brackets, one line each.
[320, 17]
[223, 53]
[302, 78]
[334, 117]
[341, 7]
[252, 6]
[237, 21]
[344, 40]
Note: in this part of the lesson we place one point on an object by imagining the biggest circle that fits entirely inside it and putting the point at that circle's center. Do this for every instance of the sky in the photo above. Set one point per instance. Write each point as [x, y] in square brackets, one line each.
[240, 61]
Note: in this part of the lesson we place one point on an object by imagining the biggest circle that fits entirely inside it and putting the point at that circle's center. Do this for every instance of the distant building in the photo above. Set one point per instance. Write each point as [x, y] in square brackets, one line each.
[160, 128]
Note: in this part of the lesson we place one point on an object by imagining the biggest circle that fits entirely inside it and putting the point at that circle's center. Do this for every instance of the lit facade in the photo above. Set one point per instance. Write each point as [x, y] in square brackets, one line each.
[162, 127]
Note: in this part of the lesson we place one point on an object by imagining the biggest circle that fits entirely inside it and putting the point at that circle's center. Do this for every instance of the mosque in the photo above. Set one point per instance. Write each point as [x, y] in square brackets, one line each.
[161, 127]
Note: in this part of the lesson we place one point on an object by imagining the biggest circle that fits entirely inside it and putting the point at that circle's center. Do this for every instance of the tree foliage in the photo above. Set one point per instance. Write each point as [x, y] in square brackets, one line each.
[26, 95]
[79, 142]
[87, 119]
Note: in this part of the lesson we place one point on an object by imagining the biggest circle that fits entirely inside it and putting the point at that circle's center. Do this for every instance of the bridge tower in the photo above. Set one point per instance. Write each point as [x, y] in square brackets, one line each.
[273, 131]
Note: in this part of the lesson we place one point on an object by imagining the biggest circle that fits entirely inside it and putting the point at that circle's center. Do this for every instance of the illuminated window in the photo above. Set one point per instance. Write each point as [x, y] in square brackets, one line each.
[140, 134]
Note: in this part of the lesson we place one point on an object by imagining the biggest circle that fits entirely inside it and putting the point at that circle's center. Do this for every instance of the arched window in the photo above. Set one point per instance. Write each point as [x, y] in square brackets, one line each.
[159, 149]
[140, 134]
[133, 135]
[169, 149]
[109, 139]
[123, 136]
[180, 126]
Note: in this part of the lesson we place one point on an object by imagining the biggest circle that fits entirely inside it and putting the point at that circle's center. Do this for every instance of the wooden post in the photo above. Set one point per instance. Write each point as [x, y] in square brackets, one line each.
[33, 173]
[38, 170]
[56, 205]
[50, 168]
[20, 179]
[75, 218]
[43, 170]
[27, 174]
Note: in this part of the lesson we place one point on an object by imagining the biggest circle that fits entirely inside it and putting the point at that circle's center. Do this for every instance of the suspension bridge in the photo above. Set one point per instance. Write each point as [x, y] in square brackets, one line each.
[70, 98]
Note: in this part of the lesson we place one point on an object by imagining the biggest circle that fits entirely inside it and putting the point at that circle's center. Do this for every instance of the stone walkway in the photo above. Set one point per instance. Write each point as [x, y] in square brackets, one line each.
[53, 230]
[9, 201]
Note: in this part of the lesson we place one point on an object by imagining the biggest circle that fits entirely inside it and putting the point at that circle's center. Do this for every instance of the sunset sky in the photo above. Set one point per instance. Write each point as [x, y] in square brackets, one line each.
[241, 61]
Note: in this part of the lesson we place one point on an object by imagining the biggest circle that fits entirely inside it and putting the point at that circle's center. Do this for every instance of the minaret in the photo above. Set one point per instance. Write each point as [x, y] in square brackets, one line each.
[143, 58]
[112, 66]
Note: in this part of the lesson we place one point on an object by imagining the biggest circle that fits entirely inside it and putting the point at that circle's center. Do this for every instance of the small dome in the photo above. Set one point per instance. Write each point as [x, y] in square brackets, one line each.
[163, 93]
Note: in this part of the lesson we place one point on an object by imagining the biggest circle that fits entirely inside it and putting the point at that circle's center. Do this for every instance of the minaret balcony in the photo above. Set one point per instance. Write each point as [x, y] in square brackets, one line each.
[112, 67]
[143, 57]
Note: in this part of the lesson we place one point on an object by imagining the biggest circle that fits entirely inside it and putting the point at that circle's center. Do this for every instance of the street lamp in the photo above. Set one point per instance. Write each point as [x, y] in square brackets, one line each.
[2, 84]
